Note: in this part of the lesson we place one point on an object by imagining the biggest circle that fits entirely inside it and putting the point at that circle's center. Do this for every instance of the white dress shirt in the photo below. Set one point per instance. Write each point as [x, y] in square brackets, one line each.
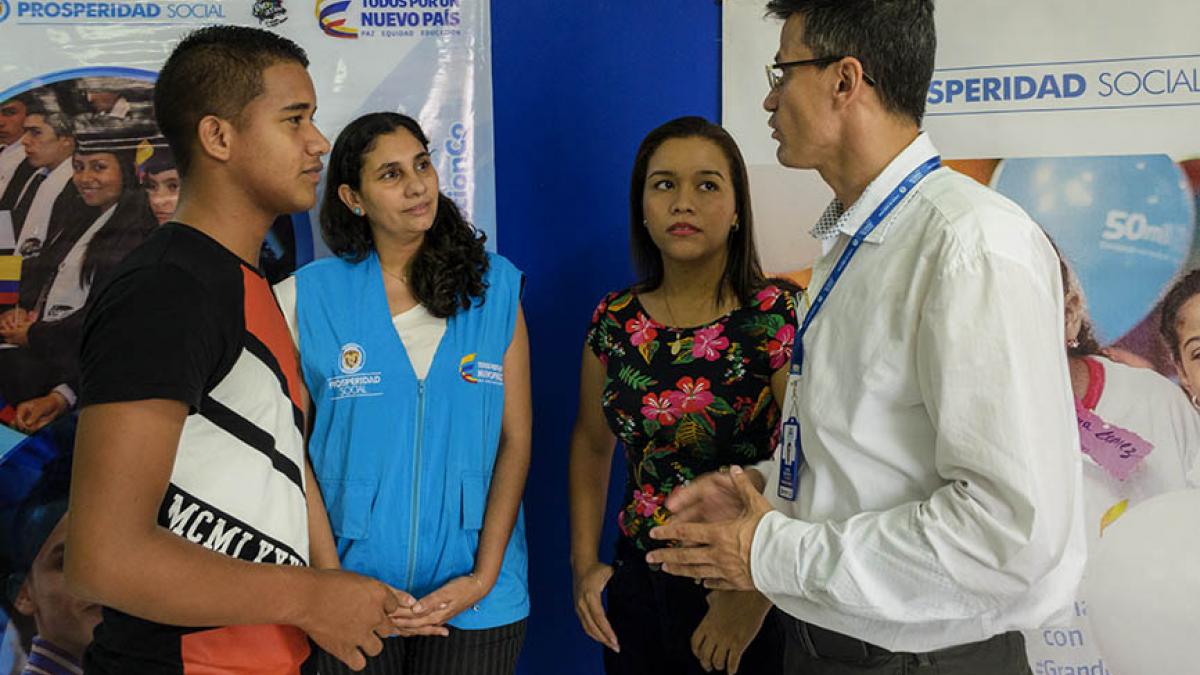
[69, 291]
[37, 221]
[940, 503]
[11, 157]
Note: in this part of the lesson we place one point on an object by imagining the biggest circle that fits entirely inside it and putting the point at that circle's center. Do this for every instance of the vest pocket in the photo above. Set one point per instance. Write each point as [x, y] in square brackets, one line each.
[349, 504]
[474, 498]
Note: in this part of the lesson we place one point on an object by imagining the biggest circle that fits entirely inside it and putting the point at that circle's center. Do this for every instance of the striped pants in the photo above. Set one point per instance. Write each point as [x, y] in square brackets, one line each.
[464, 652]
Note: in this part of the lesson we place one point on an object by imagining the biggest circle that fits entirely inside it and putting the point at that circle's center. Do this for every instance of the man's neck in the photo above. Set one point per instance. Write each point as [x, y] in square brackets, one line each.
[226, 215]
[864, 155]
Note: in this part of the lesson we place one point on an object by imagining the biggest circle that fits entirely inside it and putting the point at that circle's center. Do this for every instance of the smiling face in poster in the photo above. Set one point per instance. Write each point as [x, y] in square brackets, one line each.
[98, 178]
[162, 191]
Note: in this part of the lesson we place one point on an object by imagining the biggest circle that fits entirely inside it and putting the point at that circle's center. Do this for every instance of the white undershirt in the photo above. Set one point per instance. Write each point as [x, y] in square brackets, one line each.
[419, 331]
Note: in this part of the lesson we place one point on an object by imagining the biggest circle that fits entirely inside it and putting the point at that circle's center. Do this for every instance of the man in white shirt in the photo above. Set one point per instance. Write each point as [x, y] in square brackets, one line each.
[12, 154]
[49, 142]
[933, 508]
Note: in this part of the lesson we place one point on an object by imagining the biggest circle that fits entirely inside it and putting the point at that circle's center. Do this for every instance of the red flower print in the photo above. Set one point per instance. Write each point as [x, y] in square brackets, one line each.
[767, 297]
[600, 310]
[696, 395]
[646, 501]
[664, 408]
[780, 347]
[640, 329]
[708, 343]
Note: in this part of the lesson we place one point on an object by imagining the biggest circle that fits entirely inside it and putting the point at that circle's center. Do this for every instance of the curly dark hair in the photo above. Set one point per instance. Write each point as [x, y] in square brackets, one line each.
[446, 274]
[1168, 327]
[743, 273]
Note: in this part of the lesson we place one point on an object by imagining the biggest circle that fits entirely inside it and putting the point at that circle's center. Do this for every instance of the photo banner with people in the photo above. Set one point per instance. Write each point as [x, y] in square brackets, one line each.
[85, 176]
[1085, 115]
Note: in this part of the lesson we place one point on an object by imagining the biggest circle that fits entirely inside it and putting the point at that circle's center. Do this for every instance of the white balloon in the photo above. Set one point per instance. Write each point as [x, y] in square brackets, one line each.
[1143, 585]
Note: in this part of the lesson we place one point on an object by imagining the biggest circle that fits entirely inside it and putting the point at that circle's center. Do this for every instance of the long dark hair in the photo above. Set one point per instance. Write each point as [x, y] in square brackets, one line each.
[446, 274]
[129, 224]
[743, 273]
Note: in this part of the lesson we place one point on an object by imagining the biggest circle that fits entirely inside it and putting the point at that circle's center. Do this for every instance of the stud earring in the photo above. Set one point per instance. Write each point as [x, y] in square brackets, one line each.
[358, 211]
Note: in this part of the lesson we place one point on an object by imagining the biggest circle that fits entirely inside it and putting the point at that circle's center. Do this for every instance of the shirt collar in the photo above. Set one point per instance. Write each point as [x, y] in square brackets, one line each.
[47, 658]
[839, 219]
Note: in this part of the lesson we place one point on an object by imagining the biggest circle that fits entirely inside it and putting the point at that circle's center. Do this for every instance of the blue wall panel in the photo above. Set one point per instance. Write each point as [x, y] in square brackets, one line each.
[577, 85]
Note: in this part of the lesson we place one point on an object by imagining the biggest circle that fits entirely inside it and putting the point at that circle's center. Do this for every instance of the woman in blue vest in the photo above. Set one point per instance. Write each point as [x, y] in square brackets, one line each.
[413, 347]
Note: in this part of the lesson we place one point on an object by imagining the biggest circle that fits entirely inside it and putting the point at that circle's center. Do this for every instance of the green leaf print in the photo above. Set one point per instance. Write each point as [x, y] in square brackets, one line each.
[650, 426]
[635, 379]
[744, 449]
[720, 406]
[764, 324]
[648, 349]
[682, 350]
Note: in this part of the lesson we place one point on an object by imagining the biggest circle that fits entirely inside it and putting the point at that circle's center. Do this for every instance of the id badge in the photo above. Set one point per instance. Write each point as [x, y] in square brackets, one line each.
[789, 460]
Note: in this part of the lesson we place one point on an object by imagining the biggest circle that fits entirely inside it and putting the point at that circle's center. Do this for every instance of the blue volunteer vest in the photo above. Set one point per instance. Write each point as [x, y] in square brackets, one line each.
[404, 464]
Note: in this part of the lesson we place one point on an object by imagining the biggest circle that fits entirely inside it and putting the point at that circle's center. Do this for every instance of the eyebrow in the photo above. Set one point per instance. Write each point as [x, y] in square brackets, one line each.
[387, 165]
[702, 172]
[299, 107]
[1191, 340]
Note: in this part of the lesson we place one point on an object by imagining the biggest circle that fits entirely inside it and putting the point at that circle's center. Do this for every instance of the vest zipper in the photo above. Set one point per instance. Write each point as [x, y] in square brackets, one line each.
[416, 485]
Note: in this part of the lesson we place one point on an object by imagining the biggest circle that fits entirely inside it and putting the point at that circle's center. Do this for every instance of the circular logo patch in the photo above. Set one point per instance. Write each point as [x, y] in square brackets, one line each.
[352, 358]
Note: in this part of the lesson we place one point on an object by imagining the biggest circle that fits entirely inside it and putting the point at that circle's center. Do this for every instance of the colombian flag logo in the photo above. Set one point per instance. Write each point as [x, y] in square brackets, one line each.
[331, 16]
[468, 369]
[10, 279]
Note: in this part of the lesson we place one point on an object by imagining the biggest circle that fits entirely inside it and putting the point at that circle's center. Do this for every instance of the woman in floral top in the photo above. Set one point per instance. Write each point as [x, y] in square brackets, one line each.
[685, 369]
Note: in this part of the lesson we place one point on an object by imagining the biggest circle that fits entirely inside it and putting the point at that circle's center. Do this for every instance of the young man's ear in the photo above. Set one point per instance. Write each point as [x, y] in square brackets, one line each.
[213, 137]
[24, 603]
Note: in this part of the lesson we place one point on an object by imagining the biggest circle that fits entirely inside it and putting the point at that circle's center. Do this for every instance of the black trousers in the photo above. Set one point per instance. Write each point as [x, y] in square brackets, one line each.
[812, 650]
[654, 615]
[492, 651]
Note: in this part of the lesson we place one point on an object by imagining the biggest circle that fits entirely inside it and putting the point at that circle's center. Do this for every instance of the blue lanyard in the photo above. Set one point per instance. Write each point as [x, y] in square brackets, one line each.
[881, 212]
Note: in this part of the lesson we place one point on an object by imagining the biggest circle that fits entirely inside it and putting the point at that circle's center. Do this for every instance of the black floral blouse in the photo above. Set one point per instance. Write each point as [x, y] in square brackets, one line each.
[686, 401]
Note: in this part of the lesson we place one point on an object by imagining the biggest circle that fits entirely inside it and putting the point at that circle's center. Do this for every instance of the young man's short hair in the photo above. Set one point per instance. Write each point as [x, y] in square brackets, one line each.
[895, 40]
[214, 71]
[25, 98]
[59, 122]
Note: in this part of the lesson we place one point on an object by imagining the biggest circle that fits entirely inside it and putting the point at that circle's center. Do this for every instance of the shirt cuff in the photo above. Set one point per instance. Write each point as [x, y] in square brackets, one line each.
[67, 393]
[775, 555]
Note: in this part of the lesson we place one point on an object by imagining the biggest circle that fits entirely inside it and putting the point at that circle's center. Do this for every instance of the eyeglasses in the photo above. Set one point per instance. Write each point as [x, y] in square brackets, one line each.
[775, 70]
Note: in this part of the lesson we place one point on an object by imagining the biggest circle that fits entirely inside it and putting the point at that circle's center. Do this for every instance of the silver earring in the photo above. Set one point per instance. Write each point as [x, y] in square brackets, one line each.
[1072, 344]
[358, 211]
[1195, 403]
[644, 223]
[736, 225]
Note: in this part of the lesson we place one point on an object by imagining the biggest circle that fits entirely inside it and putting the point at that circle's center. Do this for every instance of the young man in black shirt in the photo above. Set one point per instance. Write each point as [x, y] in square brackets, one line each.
[196, 520]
